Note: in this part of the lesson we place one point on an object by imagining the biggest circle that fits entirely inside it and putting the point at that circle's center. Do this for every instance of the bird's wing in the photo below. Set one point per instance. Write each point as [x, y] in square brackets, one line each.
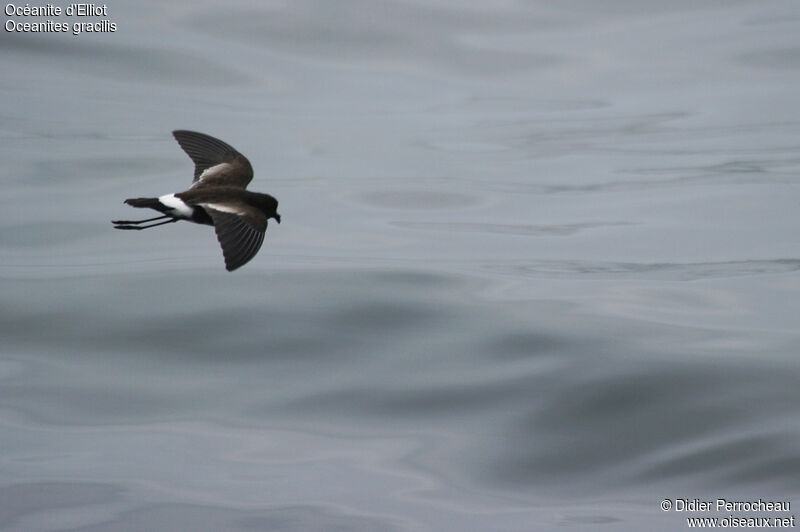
[215, 162]
[240, 231]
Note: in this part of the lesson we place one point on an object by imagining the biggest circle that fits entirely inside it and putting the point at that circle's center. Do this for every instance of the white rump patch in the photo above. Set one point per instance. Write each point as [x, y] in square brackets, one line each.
[179, 208]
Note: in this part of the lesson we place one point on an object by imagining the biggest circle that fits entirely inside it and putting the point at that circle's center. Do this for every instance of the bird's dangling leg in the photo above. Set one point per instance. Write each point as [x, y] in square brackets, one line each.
[139, 227]
[132, 222]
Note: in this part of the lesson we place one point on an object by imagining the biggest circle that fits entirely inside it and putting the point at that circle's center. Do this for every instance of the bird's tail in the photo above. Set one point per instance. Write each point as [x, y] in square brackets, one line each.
[151, 203]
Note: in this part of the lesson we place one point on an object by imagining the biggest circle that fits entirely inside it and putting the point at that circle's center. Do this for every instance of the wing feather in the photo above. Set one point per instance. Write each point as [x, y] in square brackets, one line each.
[215, 162]
[240, 233]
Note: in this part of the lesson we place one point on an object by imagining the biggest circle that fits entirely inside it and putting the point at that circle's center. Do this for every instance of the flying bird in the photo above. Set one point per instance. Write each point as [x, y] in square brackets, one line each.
[218, 196]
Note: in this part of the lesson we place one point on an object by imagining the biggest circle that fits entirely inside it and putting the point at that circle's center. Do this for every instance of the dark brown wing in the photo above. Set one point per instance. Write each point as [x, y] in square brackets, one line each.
[215, 162]
[240, 231]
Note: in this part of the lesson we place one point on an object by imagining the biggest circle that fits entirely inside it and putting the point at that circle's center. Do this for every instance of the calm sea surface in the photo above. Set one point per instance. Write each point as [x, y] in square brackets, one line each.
[539, 267]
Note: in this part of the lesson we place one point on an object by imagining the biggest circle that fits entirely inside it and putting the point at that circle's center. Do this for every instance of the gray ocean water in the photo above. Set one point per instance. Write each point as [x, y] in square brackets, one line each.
[538, 267]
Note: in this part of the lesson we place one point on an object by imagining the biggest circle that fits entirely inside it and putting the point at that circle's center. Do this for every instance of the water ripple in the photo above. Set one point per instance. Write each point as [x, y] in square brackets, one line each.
[508, 229]
[640, 270]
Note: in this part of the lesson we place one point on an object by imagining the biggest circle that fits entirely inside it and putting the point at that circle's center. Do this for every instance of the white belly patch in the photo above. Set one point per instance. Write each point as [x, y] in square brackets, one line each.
[176, 205]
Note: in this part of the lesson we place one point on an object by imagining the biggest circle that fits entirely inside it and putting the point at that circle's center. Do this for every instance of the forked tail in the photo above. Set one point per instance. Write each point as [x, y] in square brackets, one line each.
[152, 203]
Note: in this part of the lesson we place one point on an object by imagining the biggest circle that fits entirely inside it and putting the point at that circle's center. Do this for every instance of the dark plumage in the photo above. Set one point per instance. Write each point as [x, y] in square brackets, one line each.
[217, 197]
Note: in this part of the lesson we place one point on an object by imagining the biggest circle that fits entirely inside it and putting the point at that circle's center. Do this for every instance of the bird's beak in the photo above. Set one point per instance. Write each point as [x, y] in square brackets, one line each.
[277, 217]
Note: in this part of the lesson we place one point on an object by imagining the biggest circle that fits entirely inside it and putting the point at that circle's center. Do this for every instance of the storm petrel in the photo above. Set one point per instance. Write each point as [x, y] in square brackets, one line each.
[218, 196]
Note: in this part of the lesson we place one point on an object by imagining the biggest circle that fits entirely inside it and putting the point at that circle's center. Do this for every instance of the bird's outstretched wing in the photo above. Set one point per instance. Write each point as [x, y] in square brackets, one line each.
[216, 163]
[240, 231]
